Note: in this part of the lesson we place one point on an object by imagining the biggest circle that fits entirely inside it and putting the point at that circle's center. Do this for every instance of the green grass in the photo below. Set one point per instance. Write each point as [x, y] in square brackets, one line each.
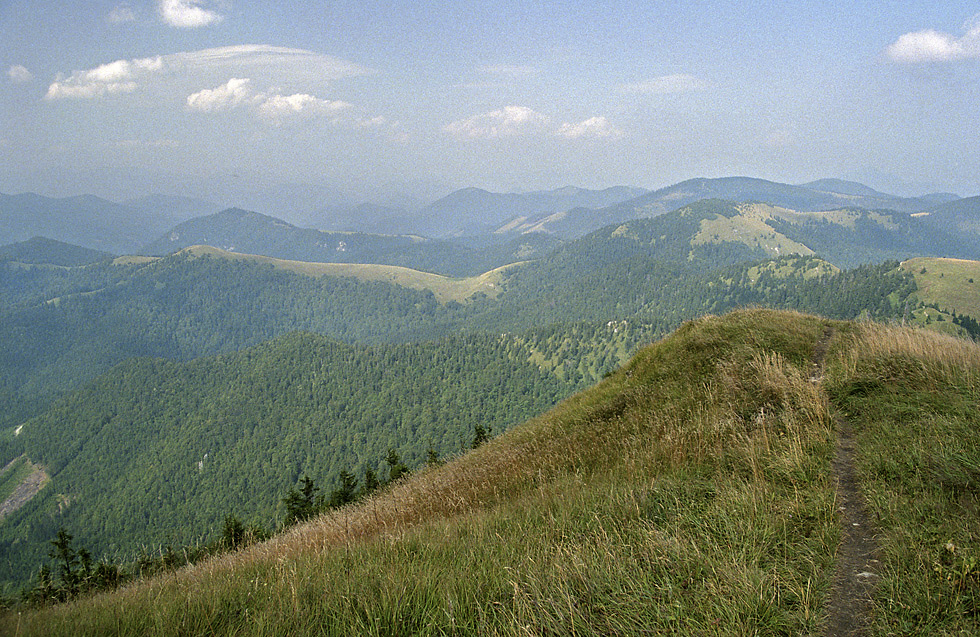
[689, 493]
[912, 398]
[749, 227]
[946, 282]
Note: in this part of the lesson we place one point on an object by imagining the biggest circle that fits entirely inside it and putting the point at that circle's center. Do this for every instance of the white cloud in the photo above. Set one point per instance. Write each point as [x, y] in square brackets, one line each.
[120, 76]
[505, 122]
[187, 14]
[122, 13]
[181, 73]
[930, 45]
[223, 98]
[274, 108]
[19, 74]
[592, 128]
[372, 122]
[665, 84]
[280, 108]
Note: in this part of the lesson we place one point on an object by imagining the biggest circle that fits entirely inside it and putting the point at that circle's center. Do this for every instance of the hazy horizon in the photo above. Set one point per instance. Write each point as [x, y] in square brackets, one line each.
[391, 103]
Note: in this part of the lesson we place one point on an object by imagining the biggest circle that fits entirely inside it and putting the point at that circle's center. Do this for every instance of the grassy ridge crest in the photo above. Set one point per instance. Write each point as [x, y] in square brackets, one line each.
[688, 493]
[444, 288]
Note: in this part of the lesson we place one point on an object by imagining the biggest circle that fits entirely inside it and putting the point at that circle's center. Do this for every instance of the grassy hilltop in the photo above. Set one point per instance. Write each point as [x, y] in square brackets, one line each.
[691, 492]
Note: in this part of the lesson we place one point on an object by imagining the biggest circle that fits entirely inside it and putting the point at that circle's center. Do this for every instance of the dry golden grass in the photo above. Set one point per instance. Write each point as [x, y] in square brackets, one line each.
[910, 353]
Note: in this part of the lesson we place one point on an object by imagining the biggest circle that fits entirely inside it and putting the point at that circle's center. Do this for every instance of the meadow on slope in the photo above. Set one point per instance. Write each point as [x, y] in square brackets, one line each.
[690, 492]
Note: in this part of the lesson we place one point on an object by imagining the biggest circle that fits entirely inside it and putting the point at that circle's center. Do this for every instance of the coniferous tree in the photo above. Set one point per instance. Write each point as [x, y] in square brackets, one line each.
[396, 468]
[432, 457]
[481, 434]
[233, 533]
[371, 482]
[302, 503]
[346, 491]
[69, 567]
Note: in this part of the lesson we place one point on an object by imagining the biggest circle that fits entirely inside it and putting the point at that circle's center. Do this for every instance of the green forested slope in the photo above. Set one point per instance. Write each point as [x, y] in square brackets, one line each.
[61, 327]
[157, 452]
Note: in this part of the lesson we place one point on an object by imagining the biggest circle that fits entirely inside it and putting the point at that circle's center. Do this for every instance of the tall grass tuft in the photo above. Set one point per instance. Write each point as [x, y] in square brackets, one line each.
[913, 399]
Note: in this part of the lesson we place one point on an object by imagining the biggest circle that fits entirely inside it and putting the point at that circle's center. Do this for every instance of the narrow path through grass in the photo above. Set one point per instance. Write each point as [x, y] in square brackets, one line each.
[855, 571]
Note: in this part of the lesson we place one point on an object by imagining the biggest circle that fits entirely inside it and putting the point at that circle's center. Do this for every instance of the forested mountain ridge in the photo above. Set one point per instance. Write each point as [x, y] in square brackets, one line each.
[657, 271]
[275, 385]
[551, 324]
[715, 232]
[156, 452]
[446, 289]
[65, 326]
[44, 251]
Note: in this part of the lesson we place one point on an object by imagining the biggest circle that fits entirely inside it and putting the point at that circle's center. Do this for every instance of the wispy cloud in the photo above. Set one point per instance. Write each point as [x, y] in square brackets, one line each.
[512, 121]
[187, 14]
[511, 70]
[175, 72]
[505, 122]
[121, 76]
[593, 128]
[19, 74]
[665, 85]
[281, 62]
[935, 46]
[120, 14]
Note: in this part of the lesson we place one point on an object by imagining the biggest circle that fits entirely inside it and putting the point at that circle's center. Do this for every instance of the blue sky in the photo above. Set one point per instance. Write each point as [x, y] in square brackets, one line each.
[366, 98]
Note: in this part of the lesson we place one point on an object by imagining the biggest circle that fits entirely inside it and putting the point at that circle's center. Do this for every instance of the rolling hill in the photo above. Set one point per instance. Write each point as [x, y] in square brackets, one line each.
[954, 217]
[696, 491]
[43, 251]
[473, 211]
[816, 196]
[445, 289]
[63, 327]
[236, 230]
[718, 232]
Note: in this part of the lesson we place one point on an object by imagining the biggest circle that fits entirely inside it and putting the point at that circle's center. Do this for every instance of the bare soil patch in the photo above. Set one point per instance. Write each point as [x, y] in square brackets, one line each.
[27, 489]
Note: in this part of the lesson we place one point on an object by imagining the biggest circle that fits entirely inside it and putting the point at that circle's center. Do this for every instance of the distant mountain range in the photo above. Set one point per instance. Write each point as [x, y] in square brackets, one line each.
[94, 223]
[826, 194]
[242, 231]
[462, 234]
[134, 448]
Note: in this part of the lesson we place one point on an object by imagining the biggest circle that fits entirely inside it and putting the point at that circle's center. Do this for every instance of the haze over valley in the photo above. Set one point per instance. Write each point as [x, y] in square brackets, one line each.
[462, 318]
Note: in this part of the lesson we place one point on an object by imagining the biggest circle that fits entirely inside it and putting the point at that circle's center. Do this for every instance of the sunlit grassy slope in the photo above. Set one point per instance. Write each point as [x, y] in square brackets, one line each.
[953, 284]
[444, 288]
[689, 493]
